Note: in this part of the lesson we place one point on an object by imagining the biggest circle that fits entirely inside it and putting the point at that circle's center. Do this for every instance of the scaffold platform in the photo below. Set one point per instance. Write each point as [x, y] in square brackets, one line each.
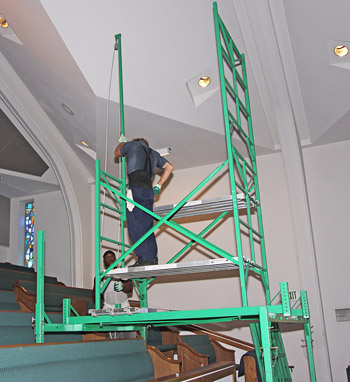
[202, 207]
[213, 265]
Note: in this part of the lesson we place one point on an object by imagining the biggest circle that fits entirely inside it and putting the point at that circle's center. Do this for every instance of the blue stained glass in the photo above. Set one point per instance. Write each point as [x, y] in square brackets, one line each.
[29, 235]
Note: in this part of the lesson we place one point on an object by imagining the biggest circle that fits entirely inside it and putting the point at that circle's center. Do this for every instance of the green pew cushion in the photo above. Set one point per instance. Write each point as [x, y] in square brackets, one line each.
[122, 360]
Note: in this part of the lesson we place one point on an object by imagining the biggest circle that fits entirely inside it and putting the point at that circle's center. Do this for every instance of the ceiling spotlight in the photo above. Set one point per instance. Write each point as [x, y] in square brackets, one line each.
[84, 143]
[203, 82]
[3, 22]
[341, 50]
[67, 109]
[164, 151]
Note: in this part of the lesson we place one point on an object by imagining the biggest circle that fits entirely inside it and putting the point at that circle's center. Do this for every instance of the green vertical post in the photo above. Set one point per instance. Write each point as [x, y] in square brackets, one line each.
[230, 159]
[266, 342]
[97, 236]
[308, 337]
[308, 340]
[285, 299]
[118, 39]
[256, 182]
[142, 288]
[66, 307]
[256, 336]
[39, 306]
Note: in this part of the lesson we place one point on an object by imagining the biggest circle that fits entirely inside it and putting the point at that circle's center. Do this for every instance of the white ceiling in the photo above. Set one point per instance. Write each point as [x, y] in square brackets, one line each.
[63, 52]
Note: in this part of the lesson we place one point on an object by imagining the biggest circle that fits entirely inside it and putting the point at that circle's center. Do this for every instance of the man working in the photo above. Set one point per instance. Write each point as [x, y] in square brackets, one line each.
[115, 295]
[116, 291]
[142, 162]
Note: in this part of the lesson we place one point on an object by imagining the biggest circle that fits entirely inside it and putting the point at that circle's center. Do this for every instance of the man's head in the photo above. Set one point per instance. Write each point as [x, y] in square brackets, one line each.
[141, 139]
[108, 258]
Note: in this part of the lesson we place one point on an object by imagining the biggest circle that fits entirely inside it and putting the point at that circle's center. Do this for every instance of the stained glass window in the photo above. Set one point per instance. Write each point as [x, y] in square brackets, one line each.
[29, 235]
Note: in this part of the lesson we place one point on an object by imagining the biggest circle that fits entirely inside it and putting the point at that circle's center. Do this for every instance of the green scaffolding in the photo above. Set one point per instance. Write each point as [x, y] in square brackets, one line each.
[249, 260]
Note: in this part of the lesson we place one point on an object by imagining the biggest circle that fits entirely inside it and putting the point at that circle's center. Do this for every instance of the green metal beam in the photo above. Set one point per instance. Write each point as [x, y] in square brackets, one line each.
[39, 306]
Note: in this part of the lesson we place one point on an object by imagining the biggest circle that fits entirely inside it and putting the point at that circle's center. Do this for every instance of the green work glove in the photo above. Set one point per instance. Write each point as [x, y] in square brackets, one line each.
[118, 286]
[122, 139]
[156, 189]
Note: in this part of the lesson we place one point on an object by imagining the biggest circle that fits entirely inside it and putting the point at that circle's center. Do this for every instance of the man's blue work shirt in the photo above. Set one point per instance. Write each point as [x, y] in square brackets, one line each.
[136, 152]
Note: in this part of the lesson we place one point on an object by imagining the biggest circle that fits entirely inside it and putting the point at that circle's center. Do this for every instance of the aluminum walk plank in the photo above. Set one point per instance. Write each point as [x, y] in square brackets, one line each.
[201, 207]
[147, 271]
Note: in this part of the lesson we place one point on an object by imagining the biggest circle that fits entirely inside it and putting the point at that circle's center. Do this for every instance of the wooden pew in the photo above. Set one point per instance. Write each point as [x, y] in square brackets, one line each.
[164, 339]
[196, 351]
[8, 278]
[81, 299]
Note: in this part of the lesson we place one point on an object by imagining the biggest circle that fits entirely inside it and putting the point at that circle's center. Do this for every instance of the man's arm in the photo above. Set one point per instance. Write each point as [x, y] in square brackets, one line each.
[168, 169]
[117, 152]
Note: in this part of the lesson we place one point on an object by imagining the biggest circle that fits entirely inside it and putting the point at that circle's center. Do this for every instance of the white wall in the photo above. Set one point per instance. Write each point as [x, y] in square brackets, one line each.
[3, 253]
[50, 216]
[328, 183]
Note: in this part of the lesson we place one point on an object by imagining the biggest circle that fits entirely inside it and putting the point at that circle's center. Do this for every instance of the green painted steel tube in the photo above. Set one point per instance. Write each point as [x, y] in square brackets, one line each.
[266, 342]
[110, 208]
[97, 236]
[230, 160]
[114, 241]
[39, 306]
[310, 356]
[122, 131]
[256, 336]
[118, 38]
[204, 231]
[105, 174]
[173, 317]
[251, 238]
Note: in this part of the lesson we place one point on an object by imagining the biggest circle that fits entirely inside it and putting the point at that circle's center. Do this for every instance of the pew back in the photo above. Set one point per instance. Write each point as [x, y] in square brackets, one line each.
[118, 360]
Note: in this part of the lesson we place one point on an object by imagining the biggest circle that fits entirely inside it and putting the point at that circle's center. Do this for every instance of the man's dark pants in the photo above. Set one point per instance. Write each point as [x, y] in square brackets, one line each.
[139, 222]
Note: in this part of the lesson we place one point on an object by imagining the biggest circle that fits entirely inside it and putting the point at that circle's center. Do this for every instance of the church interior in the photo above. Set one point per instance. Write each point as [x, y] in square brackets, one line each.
[61, 111]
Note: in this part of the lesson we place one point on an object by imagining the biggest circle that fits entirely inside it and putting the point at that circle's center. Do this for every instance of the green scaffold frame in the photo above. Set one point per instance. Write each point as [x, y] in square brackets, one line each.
[264, 319]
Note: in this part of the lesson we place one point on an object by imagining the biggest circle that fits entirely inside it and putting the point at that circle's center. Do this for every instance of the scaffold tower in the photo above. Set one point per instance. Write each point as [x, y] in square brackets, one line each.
[248, 259]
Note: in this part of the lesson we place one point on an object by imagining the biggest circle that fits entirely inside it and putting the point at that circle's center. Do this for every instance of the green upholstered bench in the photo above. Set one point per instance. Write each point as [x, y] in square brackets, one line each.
[15, 267]
[16, 328]
[8, 301]
[116, 360]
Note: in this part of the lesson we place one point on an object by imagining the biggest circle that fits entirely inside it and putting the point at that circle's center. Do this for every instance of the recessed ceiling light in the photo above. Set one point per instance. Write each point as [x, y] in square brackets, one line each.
[67, 109]
[341, 50]
[3, 22]
[204, 81]
[84, 143]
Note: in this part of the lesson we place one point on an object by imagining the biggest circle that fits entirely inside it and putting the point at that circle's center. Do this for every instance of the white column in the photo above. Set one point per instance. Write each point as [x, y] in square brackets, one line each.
[265, 20]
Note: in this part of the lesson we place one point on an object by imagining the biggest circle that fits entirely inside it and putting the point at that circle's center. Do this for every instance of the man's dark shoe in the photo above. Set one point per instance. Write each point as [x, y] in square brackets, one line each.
[142, 263]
